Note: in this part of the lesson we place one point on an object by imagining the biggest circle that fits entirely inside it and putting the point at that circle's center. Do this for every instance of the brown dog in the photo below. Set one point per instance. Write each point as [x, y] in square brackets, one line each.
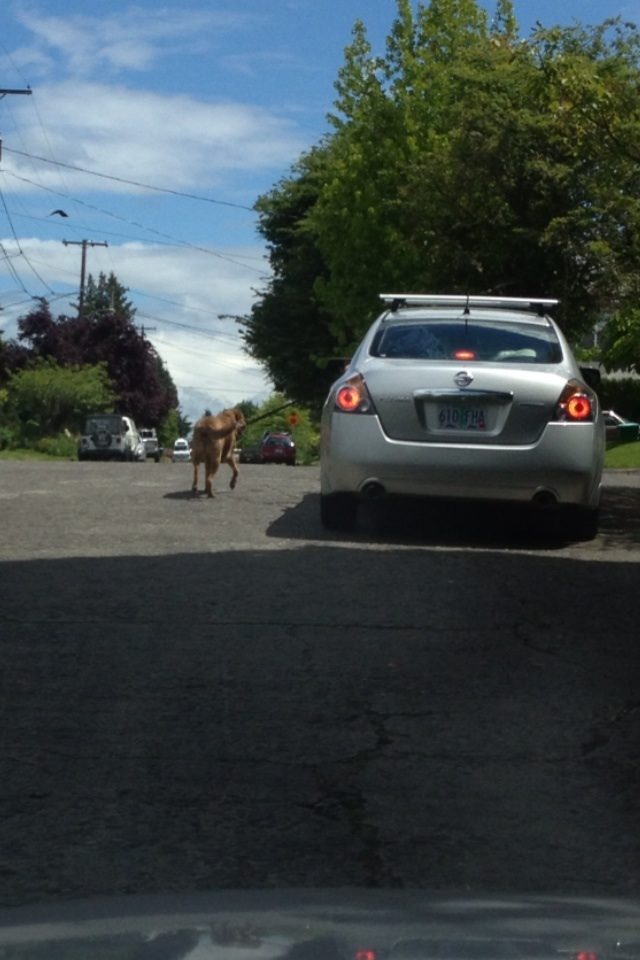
[214, 439]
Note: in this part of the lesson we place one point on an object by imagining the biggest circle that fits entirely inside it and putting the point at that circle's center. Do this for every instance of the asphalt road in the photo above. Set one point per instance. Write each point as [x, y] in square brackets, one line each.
[200, 694]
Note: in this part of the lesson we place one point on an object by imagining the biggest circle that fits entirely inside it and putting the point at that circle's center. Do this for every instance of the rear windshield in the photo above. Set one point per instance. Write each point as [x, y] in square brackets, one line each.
[277, 441]
[497, 341]
[96, 424]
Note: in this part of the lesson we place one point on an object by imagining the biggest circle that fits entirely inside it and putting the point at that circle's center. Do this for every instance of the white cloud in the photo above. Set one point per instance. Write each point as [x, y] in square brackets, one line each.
[130, 39]
[149, 137]
[253, 64]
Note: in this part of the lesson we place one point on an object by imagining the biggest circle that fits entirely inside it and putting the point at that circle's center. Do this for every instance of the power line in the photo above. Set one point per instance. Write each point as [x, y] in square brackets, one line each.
[223, 337]
[133, 223]
[214, 360]
[12, 270]
[21, 251]
[133, 183]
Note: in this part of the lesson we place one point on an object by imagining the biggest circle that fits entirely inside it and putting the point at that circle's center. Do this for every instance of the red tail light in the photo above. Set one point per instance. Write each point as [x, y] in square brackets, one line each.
[464, 355]
[577, 403]
[353, 396]
[586, 955]
[365, 955]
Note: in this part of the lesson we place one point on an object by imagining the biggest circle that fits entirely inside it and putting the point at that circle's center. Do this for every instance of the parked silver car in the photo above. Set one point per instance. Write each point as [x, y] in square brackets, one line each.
[475, 398]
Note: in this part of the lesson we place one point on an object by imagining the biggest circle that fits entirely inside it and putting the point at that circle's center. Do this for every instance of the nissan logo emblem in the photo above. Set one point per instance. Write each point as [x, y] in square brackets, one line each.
[463, 379]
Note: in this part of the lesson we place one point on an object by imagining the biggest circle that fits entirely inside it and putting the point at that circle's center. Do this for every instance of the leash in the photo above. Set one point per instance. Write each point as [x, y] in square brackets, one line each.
[263, 416]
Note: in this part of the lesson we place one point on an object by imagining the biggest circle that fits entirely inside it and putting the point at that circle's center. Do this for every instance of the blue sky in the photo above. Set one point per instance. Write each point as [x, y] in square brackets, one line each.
[214, 100]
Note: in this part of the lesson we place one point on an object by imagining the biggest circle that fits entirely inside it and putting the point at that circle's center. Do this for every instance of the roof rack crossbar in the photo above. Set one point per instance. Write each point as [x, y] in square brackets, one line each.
[439, 299]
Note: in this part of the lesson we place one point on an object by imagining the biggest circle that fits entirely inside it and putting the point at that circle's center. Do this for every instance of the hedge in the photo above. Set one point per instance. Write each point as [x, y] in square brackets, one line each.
[623, 396]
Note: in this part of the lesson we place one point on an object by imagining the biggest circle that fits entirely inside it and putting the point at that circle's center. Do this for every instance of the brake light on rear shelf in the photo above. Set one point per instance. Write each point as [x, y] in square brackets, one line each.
[577, 403]
[353, 396]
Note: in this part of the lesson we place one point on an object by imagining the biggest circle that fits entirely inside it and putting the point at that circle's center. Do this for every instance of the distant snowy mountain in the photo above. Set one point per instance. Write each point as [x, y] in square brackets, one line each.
[194, 401]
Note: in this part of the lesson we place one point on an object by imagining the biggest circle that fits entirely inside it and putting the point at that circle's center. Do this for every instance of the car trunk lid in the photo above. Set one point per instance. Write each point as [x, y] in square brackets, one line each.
[441, 402]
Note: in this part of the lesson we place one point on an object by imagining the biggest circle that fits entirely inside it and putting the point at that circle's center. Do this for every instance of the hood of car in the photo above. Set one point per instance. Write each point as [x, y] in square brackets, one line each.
[348, 924]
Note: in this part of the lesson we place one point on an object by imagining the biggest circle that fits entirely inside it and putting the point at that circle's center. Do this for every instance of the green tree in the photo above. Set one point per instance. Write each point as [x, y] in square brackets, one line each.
[105, 333]
[504, 25]
[106, 295]
[174, 425]
[45, 398]
[288, 331]
[465, 160]
[621, 336]
[273, 416]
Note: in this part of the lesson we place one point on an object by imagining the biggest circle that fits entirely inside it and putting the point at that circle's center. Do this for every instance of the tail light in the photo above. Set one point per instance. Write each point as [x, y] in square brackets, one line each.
[577, 403]
[353, 397]
[464, 355]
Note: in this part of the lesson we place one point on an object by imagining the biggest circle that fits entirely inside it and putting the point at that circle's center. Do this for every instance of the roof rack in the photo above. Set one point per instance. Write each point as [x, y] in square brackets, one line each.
[398, 300]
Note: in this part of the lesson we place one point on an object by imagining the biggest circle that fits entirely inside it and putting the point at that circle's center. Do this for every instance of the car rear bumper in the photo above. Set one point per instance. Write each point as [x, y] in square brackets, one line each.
[565, 462]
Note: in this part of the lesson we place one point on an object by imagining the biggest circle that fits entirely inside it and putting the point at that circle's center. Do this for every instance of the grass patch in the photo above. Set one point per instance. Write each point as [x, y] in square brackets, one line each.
[623, 456]
[24, 454]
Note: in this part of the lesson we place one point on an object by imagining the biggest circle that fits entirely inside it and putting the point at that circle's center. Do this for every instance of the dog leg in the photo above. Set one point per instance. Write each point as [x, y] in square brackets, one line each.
[234, 471]
[211, 467]
[229, 458]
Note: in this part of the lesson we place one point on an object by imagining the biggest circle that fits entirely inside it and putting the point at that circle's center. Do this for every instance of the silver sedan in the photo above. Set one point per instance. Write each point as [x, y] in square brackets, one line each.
[473, 398]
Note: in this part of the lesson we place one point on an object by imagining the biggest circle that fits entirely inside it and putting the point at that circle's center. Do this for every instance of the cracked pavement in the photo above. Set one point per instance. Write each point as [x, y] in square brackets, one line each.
[202, 694]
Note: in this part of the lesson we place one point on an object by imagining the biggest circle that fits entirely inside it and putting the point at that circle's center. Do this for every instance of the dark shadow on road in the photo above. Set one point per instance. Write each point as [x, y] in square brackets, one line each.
[319, 716]
[181, 495]
[192, 494]
[455, 524]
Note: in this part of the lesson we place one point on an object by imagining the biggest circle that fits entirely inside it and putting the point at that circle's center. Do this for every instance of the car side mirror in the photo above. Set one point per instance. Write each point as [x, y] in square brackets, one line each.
[592, 377]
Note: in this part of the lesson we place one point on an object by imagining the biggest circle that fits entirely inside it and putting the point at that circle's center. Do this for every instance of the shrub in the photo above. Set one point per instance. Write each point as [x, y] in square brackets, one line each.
[62, 445]
[623, 396]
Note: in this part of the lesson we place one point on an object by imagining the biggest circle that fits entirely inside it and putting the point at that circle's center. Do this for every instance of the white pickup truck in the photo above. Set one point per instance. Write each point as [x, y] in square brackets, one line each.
[150, 440]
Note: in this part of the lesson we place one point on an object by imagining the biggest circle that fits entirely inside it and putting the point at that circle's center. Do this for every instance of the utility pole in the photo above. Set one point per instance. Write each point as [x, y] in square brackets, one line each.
[83, 266]
[4, 91]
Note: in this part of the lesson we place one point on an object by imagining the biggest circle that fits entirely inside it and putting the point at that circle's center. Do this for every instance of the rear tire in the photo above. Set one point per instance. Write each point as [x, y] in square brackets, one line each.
[338, 511]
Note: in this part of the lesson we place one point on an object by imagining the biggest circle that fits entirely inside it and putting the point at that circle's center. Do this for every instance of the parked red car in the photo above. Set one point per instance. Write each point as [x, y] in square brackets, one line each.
[278, 448]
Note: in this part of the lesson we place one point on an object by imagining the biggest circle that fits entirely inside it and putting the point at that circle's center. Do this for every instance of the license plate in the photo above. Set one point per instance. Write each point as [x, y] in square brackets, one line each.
[462, 418]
